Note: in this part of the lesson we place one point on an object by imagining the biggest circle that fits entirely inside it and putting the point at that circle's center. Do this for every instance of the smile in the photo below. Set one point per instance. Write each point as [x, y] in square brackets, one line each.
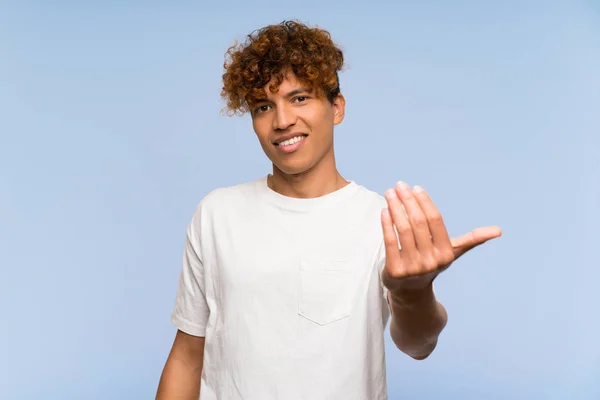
[290, 145]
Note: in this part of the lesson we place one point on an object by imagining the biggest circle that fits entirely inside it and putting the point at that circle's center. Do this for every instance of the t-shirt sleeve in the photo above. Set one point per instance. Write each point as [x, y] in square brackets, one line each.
[191, 311]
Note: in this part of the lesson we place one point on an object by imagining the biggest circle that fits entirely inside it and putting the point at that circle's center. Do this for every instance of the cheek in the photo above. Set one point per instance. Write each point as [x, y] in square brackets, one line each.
[261, 133]
[319, 119]
[327, 117]
[324, 125]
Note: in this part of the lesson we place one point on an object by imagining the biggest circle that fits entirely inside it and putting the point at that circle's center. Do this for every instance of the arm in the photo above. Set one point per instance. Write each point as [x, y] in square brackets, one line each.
[181, 375]
[417, 321]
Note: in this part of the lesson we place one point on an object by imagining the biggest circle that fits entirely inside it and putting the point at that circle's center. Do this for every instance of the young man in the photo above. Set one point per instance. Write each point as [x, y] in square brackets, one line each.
[288, 281]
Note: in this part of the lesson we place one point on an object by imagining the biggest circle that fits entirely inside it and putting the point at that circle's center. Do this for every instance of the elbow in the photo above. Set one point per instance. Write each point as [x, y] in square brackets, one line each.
[418, 344]
[417, 351]
[422, 353]
[418, 337]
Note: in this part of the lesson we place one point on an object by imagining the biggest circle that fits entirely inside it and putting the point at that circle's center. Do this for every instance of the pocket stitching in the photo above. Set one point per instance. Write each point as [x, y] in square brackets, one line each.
[340, 308]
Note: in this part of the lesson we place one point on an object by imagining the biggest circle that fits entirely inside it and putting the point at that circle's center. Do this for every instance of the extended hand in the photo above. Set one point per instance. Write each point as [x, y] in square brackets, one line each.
[425, 248]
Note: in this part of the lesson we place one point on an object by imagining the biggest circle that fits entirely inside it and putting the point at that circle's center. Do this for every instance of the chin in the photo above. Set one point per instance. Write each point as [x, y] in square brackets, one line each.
[289, 168]
[292, 171]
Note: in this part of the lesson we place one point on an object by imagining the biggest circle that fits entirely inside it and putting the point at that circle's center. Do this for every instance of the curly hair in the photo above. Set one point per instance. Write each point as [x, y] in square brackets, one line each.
[269, 53]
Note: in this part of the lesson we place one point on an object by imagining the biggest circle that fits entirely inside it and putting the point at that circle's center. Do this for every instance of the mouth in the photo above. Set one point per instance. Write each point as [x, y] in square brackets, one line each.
[292, 144]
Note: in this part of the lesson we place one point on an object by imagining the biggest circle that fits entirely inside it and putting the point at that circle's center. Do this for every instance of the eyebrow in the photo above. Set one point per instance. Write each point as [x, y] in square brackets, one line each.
[296, 92]
[287, 95]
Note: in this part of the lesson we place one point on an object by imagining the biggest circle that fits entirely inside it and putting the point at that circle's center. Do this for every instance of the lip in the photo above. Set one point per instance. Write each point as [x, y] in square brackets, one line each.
[292, 147]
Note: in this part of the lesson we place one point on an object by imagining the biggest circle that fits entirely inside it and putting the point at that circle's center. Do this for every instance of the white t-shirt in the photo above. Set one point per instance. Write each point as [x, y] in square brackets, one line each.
[288, 294]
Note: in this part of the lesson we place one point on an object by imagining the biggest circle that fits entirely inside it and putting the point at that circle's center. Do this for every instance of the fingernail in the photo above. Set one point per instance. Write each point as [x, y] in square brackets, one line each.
[390, 193]
[418, 189]
[402, 186]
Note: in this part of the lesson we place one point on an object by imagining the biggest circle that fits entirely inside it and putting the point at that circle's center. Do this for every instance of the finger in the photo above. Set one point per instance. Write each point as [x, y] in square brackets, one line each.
[405, 232]
[437, 228]
[416, 218]
[390, 240]
[474, 238]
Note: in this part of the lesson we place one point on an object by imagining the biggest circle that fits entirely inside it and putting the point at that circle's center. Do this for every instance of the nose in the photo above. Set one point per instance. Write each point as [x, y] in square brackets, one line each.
[284, 118]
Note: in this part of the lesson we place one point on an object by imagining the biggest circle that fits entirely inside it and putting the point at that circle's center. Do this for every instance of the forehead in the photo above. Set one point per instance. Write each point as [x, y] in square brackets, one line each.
[283, 85]
[289, 82]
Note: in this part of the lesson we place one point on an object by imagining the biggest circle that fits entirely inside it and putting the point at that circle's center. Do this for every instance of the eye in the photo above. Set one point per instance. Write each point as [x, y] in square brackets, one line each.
[300, 99]
[261, 109]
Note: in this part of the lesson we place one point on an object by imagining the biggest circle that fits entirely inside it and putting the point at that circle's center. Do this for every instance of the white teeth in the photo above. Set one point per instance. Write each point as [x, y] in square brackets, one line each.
[291, 141]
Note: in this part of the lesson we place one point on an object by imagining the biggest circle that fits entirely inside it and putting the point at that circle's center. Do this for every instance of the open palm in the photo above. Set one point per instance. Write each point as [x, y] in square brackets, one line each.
[425, 248]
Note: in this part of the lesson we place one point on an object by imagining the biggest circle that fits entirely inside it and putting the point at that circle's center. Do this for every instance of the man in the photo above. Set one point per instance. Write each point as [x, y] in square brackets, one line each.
[288, 281]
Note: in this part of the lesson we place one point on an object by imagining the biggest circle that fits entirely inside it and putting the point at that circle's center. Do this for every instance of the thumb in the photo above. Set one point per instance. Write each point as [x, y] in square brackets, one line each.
[473, 239]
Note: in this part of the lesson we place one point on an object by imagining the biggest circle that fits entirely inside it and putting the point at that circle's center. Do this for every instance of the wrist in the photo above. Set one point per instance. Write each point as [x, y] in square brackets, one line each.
[407, 298]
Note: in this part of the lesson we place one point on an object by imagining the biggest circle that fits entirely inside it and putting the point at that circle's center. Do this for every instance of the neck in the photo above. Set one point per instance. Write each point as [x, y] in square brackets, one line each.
[315, 182]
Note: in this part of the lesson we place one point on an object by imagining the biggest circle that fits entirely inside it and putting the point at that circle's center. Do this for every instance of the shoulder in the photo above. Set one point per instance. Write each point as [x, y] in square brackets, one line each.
[371, 198]
[225, 198]
[227, 194]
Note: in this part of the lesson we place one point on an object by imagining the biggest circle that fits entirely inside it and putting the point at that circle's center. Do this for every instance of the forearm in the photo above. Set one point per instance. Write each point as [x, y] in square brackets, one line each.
[417, 321]
[180, 379]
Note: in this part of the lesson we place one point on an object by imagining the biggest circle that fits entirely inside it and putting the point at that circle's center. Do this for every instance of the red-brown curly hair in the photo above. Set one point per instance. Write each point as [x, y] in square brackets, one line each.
[269, 53]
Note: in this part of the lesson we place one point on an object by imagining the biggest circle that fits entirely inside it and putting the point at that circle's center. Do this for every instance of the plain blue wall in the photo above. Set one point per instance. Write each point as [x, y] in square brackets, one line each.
[111, 133]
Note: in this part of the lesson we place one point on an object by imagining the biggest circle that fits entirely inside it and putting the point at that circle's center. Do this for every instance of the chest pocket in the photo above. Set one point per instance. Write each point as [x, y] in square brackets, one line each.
[325, 290]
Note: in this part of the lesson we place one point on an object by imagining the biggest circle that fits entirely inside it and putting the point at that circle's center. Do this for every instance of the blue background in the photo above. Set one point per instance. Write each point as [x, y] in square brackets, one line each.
[111, 133]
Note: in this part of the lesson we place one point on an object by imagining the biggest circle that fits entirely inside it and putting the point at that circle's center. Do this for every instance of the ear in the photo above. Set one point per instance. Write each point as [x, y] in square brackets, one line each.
[339, 108]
